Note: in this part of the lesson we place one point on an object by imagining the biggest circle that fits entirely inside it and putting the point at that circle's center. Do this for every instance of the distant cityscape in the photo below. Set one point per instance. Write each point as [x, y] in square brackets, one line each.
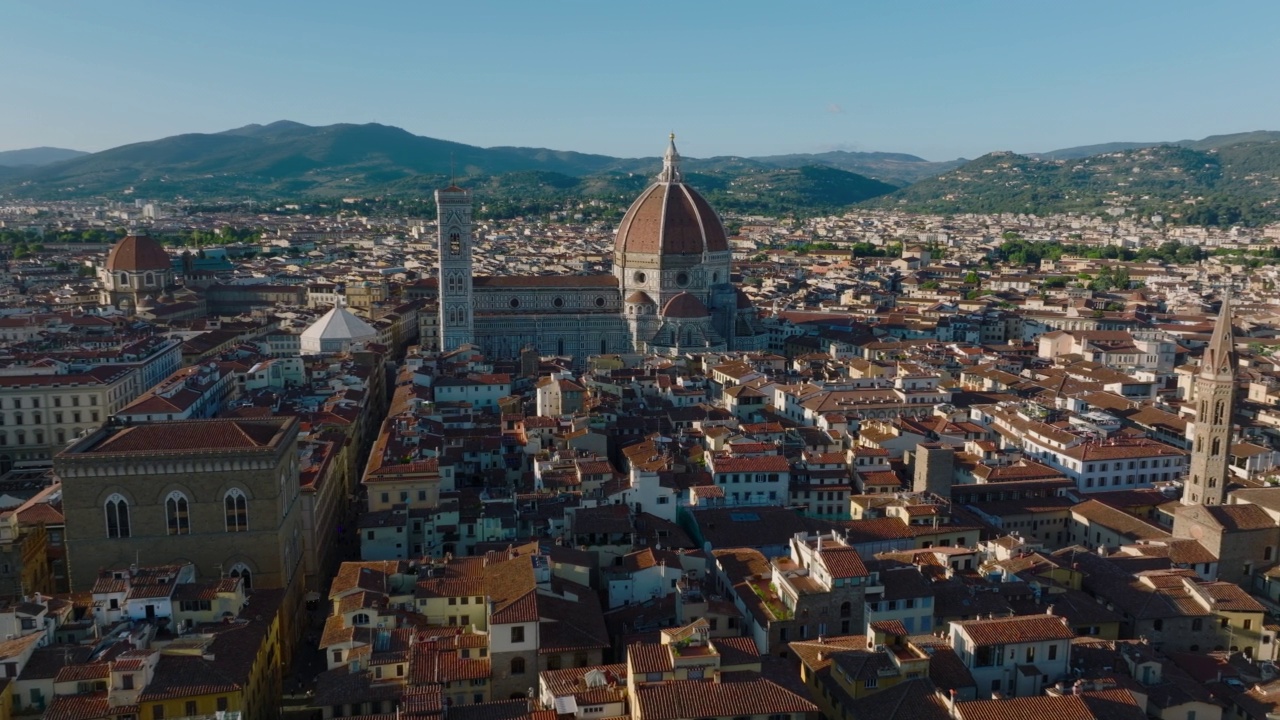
[643, 458]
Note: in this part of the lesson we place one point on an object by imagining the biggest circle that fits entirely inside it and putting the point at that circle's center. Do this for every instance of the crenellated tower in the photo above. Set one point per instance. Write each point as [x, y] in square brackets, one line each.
[453, 213]
[1214, 399]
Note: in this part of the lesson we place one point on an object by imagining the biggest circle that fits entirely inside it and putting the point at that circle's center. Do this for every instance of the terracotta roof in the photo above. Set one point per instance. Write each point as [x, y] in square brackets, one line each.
[138, 252]
[1066, 707]
[670, 219]
[703, 698]
[910, 700]
[685, 306]
[192, 436]
[843, 562]
[1236, 517]
[1026, 628]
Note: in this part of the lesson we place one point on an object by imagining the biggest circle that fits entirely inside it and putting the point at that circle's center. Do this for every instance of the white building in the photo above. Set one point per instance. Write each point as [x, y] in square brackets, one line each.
[337, 331]
[1016, 656]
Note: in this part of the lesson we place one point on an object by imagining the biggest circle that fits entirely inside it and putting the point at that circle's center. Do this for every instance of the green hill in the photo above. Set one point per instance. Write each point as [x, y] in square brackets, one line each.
[1236, 183]
[37, 156]
[894, 168]
[291, 160]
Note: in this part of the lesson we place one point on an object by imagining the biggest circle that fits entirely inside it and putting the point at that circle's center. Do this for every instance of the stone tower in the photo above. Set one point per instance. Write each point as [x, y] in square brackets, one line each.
[453, 213]
[1214, 402]
[934, 468]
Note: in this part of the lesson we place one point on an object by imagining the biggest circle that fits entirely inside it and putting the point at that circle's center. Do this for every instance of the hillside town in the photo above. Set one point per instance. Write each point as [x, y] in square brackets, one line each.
[656, 464]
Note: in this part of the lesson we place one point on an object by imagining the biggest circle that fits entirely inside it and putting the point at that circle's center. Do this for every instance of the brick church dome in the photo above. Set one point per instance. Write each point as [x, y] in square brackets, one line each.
[138, 253]
[670, 218]
[685, 306]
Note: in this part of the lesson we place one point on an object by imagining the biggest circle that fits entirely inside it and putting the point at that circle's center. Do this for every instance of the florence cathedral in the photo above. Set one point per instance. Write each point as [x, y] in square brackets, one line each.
[670, 291]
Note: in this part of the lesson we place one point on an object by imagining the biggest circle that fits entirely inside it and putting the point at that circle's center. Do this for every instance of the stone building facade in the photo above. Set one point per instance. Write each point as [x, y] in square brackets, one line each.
[221, 494]
[670, 290]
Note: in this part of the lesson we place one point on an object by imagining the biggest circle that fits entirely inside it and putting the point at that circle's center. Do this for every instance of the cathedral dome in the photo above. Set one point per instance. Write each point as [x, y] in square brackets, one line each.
[685, 306]
[138, 253]
[670, 218]
[640, 297]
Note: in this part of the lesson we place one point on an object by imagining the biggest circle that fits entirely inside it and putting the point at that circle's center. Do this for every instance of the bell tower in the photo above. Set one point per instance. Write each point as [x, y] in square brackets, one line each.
[1215, 386]
[453, 218]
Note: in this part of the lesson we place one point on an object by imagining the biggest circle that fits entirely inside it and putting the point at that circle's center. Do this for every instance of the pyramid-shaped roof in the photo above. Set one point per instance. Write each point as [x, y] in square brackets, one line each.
[339, 324]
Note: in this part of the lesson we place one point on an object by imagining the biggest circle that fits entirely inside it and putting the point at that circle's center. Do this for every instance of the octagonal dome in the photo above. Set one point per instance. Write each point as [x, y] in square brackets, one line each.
[137, 253]
[670, 218]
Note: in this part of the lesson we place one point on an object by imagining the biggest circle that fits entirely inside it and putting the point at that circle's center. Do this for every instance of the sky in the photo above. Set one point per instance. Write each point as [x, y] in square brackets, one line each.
[936, 79]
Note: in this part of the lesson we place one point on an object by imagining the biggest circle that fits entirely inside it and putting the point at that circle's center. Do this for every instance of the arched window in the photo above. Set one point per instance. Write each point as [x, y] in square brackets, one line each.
[846, 609]
[237, 507]
[240, 570]
[124, 280]
[517, 666]
[360, 619]
[176, 514]
[117, 511]
[1217, 413]
[151, 279]
[1217, 446]
[1213, 482]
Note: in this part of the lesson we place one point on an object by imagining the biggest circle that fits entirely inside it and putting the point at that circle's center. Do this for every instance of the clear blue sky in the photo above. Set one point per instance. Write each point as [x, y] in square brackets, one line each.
[938, 79]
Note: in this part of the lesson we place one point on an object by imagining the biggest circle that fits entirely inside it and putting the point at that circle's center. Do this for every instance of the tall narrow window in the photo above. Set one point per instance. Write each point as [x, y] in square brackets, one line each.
[176, 514]
[240, 570]
[237, 506]
[117, 511]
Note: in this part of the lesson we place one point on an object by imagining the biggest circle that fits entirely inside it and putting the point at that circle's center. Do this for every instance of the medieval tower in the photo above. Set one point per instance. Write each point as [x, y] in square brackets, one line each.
[453, 213]
[1214, 403]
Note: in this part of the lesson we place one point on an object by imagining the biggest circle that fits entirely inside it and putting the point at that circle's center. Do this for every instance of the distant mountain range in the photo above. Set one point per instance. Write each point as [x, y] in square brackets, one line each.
[37, 156]
[291, 160]
[1225, 178]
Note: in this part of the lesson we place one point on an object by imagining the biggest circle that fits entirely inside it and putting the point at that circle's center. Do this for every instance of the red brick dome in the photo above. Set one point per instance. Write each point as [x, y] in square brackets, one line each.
[670, 218]
[685, 306]
[138, 253]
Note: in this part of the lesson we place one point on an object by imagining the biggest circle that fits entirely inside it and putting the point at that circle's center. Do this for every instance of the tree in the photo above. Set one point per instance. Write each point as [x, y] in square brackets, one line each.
[971, 278]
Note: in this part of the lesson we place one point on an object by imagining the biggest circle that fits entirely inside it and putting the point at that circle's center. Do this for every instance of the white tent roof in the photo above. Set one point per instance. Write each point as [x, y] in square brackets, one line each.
[339, 324]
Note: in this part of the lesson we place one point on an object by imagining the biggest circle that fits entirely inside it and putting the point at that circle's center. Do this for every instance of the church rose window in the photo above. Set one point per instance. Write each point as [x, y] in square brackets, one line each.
[599, 302]
[639, 277]
[515, 302]
[682, 279]
[558, 302]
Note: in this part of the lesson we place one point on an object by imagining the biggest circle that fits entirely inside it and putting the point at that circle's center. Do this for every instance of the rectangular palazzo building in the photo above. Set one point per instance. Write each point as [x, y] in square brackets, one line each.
[222, 494]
